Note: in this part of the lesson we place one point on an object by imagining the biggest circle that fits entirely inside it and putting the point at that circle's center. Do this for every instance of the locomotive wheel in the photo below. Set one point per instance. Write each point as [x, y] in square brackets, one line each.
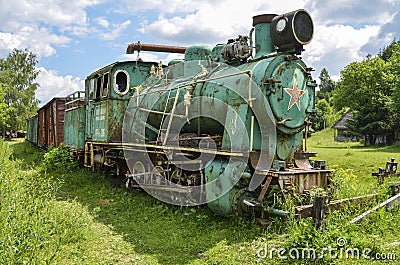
[137, 164]
[138, 167]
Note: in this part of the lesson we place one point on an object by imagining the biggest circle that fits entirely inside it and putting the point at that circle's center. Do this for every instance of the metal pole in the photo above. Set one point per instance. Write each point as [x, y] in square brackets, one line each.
[154, 48]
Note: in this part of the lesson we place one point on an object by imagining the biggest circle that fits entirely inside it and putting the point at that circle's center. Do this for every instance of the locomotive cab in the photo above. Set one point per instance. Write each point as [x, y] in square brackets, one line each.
[107, 94]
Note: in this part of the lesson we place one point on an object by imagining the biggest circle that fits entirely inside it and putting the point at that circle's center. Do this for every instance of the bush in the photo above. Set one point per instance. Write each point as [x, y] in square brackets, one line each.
[58, 158]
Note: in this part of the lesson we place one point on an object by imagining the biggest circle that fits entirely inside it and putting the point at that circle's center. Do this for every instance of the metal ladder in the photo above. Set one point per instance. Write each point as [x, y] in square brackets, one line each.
[171, 114]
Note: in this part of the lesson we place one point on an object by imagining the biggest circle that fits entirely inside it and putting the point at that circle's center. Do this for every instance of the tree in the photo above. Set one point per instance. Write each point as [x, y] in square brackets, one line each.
[325, 115]
[367, 87]
[326, 86]
[4, 111]
[394, 65]
[386, 53]
[379, 119]
[17, 79]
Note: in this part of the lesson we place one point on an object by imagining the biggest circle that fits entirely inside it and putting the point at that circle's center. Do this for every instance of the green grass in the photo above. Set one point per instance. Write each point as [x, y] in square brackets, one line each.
[354, 159]
[352, 155]
[93, 222]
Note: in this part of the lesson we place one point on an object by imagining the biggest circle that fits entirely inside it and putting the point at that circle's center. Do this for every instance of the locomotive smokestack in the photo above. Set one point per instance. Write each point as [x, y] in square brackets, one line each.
[263, 42]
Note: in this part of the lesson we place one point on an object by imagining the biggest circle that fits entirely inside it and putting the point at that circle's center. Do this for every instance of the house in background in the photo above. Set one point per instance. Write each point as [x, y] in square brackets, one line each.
[341, 131]
[397, 135]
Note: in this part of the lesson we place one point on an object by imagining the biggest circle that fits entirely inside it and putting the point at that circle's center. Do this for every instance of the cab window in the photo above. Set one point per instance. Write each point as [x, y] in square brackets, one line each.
[91, 88]
[98, 87]
[105, 85]
[121, 79]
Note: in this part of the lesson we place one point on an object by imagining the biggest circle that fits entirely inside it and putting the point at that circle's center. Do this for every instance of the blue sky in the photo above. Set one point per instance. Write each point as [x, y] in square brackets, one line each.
[74, 38]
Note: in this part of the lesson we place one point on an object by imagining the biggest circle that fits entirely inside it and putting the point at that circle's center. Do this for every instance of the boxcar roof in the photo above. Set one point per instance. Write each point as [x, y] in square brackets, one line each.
[53, 99]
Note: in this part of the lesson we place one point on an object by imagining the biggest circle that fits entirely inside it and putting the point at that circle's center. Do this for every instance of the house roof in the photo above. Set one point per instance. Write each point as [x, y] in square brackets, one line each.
[341, 124]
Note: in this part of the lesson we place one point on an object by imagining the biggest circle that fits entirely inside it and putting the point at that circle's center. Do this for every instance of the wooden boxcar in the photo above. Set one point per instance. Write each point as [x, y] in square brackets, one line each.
[51, 123]
[32, 130]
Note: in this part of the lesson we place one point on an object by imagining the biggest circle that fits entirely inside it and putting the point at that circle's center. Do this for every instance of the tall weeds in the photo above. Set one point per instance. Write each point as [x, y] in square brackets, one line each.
[33, 224]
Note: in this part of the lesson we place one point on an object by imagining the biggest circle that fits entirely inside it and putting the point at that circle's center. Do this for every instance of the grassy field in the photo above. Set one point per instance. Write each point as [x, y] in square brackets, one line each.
[349, 155]
[354, 159]
[55, 213]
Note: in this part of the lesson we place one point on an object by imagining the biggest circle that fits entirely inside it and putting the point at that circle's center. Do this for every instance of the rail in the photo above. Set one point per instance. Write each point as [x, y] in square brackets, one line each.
[74, 100]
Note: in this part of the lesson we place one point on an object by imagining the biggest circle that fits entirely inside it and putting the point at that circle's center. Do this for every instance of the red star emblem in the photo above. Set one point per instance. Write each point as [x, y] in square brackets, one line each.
[295, 95]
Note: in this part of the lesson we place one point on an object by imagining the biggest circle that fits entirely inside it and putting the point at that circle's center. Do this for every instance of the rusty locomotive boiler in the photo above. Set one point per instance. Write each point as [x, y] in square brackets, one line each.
[223, 126]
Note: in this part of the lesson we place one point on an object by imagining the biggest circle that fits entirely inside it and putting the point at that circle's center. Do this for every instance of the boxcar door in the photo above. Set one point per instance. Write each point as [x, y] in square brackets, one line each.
[89, 84]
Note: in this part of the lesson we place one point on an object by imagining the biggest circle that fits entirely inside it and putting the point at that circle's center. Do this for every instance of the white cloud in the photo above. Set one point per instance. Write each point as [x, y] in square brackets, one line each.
[8, 41]
[163, 6]
[38, 40]
[52, 85]
[117, 30]
[152, 57]
[209, 22]
[102, 21]
[58, 13]
[352, 11]
[173, 56]
[346, 30]
[340, 39]
[387, 33]
[233, 9]
[334, 47]
[41, 25]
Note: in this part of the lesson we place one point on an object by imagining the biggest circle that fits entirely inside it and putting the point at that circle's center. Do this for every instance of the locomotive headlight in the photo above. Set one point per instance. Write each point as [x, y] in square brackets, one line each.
[292, 30]
[281, 24]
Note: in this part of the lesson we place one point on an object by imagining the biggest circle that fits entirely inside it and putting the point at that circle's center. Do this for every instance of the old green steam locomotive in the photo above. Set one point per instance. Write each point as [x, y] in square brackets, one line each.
[225, 126]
